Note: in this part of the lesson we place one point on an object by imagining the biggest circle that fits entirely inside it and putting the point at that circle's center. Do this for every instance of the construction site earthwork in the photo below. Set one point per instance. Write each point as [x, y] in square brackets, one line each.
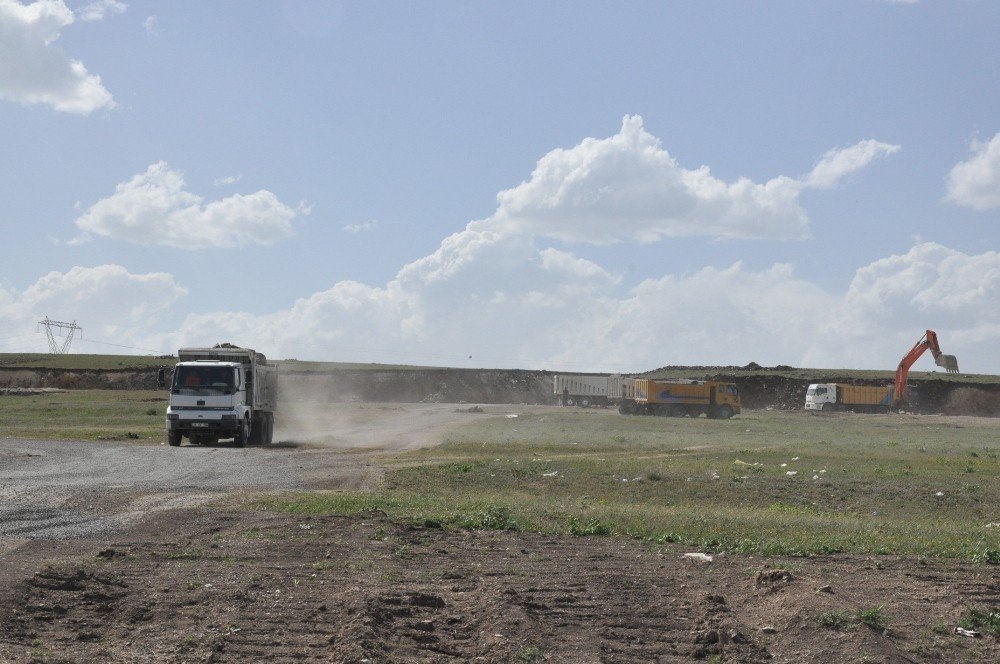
[214, 506]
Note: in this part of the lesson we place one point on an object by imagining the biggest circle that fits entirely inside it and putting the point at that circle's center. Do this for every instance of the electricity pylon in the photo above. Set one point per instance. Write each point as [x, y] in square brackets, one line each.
[55, 346]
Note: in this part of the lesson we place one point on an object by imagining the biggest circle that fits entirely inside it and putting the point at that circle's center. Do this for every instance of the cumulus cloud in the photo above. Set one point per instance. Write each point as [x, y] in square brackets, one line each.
[153, 208]
[891, 301]
[504, 302]
[34, 71]
[628, 187]
[976, 183]
[108, 301]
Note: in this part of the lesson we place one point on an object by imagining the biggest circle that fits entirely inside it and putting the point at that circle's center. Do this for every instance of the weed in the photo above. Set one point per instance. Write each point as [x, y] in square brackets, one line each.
[987, 555]
[873, 618]
[981, 621]
[185, 554]
[835, 620]
[494, 517]
[592, 528]
[529, 654]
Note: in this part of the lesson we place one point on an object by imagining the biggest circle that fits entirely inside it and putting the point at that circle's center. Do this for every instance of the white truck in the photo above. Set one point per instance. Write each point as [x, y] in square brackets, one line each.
[219, 393]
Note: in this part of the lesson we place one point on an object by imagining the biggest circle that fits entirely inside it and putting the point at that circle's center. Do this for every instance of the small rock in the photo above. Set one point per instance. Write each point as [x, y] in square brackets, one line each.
[824, 589]
[768, 629]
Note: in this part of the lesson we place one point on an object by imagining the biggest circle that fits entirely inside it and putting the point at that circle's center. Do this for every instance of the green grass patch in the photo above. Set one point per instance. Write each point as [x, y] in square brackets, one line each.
[85, 415]
[980, 620]
[775, 483]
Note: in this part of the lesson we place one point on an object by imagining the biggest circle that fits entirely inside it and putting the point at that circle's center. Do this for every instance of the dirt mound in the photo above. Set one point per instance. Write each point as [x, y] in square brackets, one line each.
[972, 401]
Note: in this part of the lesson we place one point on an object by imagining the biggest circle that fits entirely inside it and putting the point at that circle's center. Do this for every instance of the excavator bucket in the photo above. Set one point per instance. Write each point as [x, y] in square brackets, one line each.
[949, 362]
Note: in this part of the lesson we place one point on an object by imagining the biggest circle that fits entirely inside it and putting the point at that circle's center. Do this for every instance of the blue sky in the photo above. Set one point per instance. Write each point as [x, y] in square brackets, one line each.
[576, 186]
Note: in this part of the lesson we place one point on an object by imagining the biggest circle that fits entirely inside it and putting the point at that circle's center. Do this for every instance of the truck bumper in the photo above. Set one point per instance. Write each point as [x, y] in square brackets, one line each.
[224, 427]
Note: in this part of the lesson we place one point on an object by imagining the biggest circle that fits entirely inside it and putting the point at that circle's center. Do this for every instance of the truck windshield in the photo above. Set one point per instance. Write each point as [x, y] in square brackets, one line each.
[203, 380]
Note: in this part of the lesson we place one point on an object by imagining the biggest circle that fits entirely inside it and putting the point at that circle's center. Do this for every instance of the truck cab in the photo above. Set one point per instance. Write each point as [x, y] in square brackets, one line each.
[818, 395]
[208, 402]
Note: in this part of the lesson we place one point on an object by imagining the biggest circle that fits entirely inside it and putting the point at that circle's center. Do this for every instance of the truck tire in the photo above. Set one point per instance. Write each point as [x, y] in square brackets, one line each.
[257, 429]
[828, 407]
[266, 428]
[242, 435]
[677, 410]
[174, 438]
[723, 412]
[584, 402]
[570, 401]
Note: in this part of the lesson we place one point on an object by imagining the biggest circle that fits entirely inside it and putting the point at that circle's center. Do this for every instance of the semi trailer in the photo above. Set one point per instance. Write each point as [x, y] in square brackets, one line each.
[586, 390]
[219, 393]
[677, 398]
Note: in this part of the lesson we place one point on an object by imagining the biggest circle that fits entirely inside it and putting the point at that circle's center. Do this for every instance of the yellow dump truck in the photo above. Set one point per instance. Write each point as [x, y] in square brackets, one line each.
[677, 398]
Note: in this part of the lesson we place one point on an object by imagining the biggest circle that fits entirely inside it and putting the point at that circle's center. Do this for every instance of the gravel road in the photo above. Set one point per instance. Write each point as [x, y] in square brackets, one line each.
[66, 489]
[70, 489]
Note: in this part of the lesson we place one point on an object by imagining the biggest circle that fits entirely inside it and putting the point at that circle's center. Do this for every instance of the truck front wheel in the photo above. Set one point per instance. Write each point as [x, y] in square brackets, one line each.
[242, 435]
[723, 412]
[174, 438]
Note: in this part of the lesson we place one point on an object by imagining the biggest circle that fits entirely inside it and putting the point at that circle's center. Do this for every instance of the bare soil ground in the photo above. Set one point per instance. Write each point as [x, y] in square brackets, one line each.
[212, 582]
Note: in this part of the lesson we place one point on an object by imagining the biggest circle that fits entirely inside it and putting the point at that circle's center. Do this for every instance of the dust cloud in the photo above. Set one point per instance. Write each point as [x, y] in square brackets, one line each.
[316, 411]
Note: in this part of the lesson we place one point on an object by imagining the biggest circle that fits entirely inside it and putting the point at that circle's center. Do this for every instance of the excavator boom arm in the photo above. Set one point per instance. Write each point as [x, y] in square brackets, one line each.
[928, 341]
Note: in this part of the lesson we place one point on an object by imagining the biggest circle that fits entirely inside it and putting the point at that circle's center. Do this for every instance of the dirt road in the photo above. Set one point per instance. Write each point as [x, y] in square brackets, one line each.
[65, 489]
[108, 553]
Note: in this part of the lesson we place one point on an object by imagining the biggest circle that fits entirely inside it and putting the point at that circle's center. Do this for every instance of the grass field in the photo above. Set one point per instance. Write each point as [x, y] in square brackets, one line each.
[85, 415]
[767, 482]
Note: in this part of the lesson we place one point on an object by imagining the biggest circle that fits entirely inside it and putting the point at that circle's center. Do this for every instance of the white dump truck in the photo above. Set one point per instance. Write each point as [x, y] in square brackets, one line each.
[220, 393]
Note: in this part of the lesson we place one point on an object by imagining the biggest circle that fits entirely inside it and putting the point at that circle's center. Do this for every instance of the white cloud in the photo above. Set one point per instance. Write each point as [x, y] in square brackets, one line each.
[150, 24]
[108, 301]
[362, 227]
[227, 180]
[627, 187]
[96, 11]
[976, 183]
[153, 208]
[891, 301]
[836, 164]
[505, 302]
[34, 71]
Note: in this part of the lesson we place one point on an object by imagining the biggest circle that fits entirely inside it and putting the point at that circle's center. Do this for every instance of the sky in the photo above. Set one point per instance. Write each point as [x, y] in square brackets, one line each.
[571, 186]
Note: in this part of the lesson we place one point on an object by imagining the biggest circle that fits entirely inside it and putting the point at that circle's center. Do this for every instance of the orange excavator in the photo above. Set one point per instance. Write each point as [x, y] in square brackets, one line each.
[928, 341]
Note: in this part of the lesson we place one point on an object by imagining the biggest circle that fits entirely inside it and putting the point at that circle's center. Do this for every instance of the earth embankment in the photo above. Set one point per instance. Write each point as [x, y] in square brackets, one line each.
[763, 389]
